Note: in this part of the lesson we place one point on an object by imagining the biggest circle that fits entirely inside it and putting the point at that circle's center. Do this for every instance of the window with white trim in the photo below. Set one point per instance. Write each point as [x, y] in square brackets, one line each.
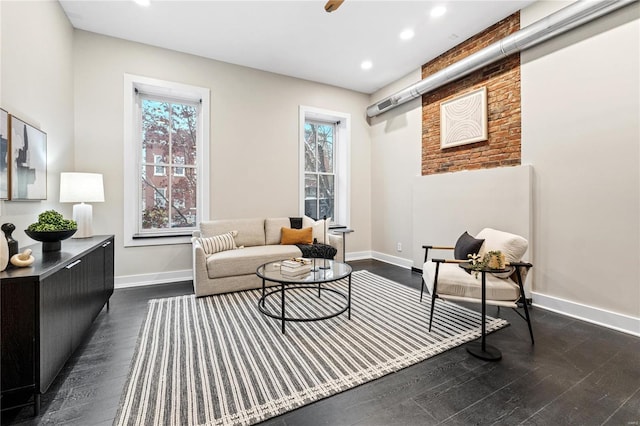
[158, 170]
[324, 157]
[166, 159]
[178, 171]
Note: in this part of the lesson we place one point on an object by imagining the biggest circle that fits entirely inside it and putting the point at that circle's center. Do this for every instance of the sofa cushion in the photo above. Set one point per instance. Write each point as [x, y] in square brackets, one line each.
[218, 243]
[454, 281]
[250, 231]
[247, 260]
[296, 236]
[272, 229]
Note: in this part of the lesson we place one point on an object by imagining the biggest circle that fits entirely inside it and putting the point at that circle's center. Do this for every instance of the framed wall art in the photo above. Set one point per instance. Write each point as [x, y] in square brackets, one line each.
[28, 161]
[463, 119]
[4, 155]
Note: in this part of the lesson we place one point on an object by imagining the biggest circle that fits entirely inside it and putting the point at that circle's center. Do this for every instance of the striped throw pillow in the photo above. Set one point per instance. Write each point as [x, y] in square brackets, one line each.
[219, 243]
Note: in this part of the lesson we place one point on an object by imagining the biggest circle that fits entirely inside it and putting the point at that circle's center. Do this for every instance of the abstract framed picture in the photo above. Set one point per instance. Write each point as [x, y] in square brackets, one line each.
[4, 155]
[28, 161]
[463, 119]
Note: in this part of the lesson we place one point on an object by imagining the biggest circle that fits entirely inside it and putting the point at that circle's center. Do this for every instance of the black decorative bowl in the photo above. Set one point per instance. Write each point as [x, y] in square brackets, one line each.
[50, 239]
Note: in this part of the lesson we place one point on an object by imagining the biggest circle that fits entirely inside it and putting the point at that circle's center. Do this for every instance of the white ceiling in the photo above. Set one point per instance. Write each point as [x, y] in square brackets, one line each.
[298, 38]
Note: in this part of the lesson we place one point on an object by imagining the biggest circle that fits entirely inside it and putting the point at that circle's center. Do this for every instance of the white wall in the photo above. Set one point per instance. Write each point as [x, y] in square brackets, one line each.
[446, 205]
[580, 130]
[36, 77]
[395, 163]
[254, 140]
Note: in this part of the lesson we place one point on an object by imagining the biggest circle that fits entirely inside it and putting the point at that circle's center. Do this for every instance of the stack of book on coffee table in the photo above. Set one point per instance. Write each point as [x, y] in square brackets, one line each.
[295, 267]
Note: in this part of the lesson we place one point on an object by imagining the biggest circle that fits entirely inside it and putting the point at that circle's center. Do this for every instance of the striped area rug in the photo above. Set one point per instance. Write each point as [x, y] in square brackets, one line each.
[218, 361]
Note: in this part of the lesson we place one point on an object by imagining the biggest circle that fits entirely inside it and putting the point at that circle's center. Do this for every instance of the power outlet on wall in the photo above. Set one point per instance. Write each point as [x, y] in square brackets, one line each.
[399, 247]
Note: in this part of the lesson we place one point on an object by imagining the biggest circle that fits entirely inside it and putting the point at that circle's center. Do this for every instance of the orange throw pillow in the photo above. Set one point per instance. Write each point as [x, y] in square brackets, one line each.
[296, 236]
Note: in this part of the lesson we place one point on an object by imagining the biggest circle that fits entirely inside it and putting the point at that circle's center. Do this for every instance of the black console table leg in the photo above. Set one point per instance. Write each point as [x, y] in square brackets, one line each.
[36, 404]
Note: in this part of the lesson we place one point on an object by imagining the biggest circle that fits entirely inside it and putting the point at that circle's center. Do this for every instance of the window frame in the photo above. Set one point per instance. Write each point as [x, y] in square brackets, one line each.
[341, 159]
[134, 84]
[317, 173]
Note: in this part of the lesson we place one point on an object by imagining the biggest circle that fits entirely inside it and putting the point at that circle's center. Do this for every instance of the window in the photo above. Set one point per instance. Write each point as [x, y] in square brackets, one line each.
[166, 150]
[159, 199]
[319, 176]
[158, 170]
[178, 171]
[324, 164]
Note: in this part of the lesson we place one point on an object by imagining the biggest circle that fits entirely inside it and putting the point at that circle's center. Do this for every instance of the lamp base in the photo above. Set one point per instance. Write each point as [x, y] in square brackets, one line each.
[83, 215]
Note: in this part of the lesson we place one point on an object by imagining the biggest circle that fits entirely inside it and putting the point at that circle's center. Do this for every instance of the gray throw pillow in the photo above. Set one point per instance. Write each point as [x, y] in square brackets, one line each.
[466, 245]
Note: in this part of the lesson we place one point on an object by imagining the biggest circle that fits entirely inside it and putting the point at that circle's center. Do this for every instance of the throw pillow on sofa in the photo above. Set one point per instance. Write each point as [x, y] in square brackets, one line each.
[318, 226]
[296, 236]
[218, 243]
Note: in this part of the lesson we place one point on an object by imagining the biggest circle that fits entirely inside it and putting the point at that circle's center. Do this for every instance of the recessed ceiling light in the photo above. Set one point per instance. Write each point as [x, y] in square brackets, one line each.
[407, 34]
[366, 65]
[438, 11]
[144, 3]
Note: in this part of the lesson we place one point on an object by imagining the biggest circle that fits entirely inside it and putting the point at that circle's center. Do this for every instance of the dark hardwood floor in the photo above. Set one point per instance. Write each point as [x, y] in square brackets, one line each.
[576, 374]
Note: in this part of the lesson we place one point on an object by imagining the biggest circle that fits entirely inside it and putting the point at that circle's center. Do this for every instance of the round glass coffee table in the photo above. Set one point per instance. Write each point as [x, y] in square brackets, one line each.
[323, 272]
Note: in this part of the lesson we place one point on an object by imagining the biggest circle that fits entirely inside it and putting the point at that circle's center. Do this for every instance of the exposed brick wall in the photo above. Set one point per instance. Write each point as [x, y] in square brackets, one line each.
[502, 79]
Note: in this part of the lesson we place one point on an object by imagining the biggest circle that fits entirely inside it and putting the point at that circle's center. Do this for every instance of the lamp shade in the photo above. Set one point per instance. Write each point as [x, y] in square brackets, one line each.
[81, 188]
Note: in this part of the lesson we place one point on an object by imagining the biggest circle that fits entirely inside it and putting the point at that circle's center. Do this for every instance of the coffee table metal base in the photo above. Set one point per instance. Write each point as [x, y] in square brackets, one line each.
[282, 289]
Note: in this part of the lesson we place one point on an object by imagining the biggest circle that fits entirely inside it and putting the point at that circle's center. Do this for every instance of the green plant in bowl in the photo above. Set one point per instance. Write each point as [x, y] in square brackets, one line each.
[51, 220]
[50, 229]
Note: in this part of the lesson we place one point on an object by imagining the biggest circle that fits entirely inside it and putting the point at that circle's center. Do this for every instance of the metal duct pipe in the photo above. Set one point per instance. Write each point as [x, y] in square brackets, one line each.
[553, 25]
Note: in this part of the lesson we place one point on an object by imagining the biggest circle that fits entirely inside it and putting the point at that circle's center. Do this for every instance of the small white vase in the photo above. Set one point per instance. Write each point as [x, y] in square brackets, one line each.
[4, 253]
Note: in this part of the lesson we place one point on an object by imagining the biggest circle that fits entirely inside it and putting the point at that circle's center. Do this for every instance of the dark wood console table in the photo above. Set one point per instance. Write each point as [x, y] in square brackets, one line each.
[47, 309]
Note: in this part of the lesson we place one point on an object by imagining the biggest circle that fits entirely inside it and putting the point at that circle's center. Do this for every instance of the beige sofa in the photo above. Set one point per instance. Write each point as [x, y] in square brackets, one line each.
[235, 270]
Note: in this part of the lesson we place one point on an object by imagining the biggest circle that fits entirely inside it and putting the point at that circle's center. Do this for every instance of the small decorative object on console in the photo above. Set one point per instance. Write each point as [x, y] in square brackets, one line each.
[8, 229]
[23, 259]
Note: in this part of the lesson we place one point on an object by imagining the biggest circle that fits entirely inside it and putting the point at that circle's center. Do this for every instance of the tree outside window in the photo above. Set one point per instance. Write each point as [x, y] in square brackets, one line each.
[319, 178]
[168, 200]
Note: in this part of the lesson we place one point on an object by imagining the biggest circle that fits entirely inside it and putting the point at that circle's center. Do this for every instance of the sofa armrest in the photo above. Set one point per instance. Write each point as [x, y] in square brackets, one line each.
[200, 274]
[196, 234]
[335, 241]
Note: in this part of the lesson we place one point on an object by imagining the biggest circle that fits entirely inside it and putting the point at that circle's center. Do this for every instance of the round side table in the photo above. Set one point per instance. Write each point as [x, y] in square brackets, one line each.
[344, 232]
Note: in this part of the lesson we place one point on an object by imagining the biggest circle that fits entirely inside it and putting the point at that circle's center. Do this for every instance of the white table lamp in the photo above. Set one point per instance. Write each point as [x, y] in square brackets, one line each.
[82, 188]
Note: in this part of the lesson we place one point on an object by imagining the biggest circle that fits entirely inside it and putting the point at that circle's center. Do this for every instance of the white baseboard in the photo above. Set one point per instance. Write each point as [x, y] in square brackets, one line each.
[613, 320]
[127, 281]
[358, 255]
[394, 260]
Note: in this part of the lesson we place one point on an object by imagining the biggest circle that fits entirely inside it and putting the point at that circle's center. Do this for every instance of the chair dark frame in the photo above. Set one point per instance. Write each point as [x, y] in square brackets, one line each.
[522, 302]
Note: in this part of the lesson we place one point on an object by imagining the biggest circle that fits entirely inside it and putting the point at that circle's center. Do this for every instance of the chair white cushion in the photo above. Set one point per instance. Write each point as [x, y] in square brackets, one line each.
[511, 245]
[455, 281]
